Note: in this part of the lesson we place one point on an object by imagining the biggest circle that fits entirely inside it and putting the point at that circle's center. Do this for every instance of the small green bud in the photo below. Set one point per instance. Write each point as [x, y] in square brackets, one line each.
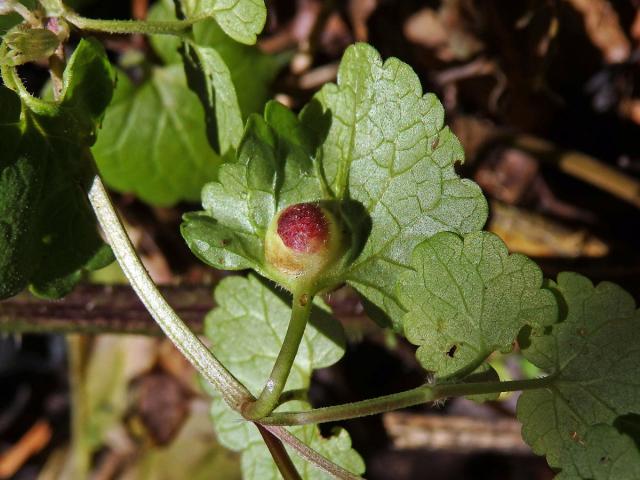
[30, 44]
[303, 240]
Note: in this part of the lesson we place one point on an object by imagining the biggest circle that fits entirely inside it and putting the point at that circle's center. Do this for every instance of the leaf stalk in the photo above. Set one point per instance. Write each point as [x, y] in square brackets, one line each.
[148, 27]
[311, 455]
[395, 401]
[279, 454]
[270, 395]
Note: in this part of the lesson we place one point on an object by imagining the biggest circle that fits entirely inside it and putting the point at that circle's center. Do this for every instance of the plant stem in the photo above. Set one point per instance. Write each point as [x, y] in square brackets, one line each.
[56, 71]
[187, 342]
[279, 454]
[234, 393]
[409, 398]
[311, 455]
[465, 371]
[6, 72]
[270, 395]
[76, 358]
[301, 394]
[26, 14]
[149, 27]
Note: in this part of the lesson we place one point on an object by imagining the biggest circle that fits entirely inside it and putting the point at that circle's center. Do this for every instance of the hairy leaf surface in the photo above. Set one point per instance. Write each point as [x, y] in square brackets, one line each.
[603, 454]
[593, 355]
[274, 152]
[153, 141]
[374, 145]
[48, 234]
[242, 20]
[158, 141]
[247, 329]
[467, 298]
[388, 150]
[209, 76]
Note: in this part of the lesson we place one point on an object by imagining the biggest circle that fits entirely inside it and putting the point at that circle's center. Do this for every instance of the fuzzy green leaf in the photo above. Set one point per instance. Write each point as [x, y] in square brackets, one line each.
[593, 355]
[603, 454]
[258, 464]
[247, 329]
[239, 206]
[388, 150]
[208, 76]
[242, 20]
[468, 298]
[373, 145]
[252, 71]
[48, 234]
[239, 71]
[153, 140]
[157, 137]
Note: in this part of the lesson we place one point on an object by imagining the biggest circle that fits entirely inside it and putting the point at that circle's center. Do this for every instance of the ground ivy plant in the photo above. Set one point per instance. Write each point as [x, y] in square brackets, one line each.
[358, 188]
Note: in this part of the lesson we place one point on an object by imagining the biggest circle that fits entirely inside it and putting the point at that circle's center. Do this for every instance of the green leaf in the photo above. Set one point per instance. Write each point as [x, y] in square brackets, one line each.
[252, 71]
[604, 454]
[209, 77]
[239, 206]
[88, 82]
[218, 245]
[242, 20]
[593, 357]
[374, 145]
[247, 329]
[153, 140]
[257, 462]
[21, 182]
[468, 298]
[165, 46]
[48, 234]
[388, 150]
[8, 21]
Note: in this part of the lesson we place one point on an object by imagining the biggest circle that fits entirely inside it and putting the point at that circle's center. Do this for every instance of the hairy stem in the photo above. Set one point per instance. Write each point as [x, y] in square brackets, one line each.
[149, 27]
[270, 395]
[301, 394]
[279, 454]
[26, 14]
[187, 342]
[311, 455]
[235, 394]
[409, 398]
[465, 371]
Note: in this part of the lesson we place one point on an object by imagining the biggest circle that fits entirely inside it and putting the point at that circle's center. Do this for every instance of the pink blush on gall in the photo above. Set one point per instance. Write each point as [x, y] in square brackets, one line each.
[303, 227]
